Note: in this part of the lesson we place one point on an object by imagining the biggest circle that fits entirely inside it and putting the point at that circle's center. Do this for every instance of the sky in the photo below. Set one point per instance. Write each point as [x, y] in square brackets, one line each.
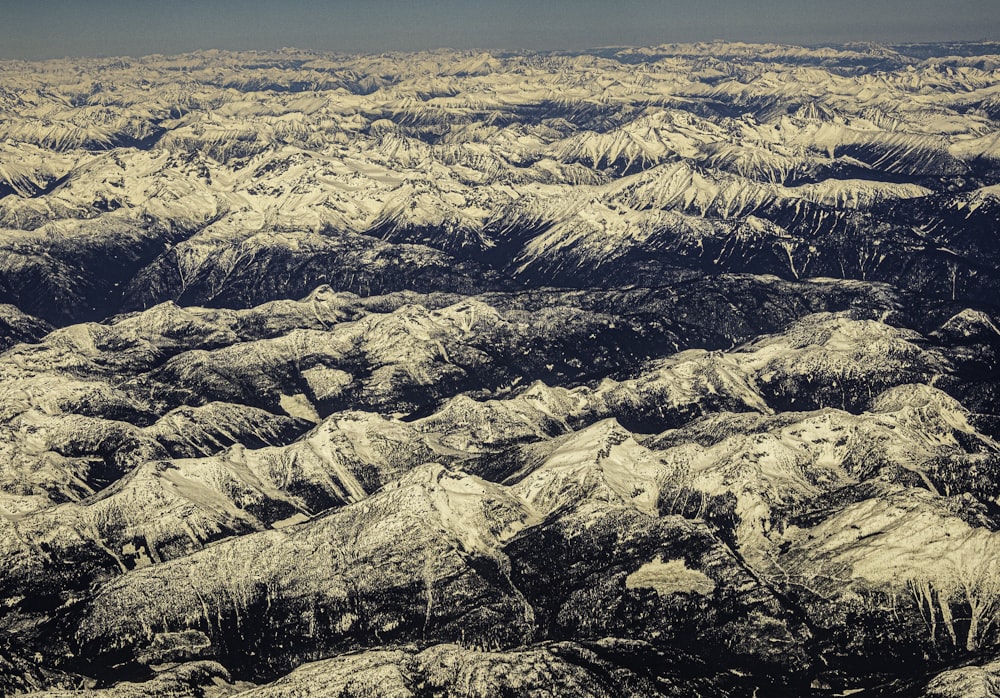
[34, 29]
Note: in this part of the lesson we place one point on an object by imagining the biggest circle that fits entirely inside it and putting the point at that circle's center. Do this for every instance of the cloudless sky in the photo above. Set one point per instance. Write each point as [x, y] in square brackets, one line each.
[56, 28]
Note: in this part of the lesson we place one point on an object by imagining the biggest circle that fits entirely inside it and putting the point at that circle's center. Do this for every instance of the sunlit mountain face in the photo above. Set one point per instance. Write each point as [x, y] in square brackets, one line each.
[633, 372]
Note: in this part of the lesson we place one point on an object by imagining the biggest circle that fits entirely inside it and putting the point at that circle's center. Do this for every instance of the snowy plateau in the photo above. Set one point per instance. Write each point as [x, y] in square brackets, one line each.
[670, 371]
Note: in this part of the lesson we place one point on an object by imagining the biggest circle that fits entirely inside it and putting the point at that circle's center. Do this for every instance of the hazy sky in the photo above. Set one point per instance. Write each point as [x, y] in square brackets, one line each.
[55, 28]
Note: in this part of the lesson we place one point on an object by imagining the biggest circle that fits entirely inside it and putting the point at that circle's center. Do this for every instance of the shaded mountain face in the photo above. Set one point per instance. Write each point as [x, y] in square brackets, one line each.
[667, 371]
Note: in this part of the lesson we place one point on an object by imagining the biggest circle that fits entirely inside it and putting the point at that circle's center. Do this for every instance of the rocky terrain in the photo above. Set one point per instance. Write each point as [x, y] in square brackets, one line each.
[657, 371]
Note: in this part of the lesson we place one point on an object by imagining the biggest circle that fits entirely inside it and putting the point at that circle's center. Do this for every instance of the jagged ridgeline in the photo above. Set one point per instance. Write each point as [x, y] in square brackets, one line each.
[651, 372]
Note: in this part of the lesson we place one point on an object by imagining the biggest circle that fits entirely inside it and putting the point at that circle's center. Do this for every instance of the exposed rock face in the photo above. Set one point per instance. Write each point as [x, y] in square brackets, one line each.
[669, 371]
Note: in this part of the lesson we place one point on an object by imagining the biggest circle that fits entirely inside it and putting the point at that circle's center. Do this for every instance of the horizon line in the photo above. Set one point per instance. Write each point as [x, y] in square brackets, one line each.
[504, 49]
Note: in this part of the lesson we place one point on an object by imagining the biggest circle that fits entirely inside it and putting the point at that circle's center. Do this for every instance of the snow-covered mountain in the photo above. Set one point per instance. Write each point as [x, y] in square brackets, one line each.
[187, 168]
[629, 372]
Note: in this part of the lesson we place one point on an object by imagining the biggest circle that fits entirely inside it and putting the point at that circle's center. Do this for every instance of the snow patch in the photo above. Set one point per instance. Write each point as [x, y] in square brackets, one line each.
[670, 577]
[298, 405]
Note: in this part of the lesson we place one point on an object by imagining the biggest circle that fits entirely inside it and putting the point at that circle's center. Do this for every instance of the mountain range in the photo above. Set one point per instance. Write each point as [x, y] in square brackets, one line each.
[628, 372]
